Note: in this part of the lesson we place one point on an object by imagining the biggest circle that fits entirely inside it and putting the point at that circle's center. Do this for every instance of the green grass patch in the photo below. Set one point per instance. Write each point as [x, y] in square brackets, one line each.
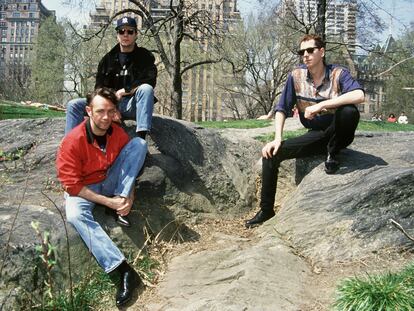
[388, 292]
[91, 292]
[365, 126]
[383, 126]
[147, 267]
[238, 124]
[286, 135]
[10, 110]
[96, 290]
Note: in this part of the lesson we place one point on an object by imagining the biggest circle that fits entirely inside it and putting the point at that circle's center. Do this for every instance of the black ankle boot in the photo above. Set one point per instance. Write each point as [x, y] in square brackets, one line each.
[121, 220]
[331, 164]
[259, 218]
[130, 280]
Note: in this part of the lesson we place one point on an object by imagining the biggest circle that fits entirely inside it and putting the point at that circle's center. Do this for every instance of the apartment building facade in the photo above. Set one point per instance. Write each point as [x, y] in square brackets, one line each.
[340, 19]
[19, 25]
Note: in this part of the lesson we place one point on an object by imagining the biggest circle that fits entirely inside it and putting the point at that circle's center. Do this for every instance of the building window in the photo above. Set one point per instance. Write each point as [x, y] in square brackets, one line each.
[16, 14]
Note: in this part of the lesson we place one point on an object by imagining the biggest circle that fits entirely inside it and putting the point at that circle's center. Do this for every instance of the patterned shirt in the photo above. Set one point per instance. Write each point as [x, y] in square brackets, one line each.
[300, 91]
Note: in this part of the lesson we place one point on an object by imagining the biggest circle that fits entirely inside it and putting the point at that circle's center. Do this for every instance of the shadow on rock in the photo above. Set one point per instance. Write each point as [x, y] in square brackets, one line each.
[351, 160]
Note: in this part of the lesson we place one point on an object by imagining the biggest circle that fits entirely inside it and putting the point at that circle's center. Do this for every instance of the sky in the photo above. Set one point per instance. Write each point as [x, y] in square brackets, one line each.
[403, 11]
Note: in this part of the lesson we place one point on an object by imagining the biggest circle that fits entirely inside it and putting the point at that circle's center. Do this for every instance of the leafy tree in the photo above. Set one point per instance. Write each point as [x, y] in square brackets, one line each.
[399, 77]
[14, 84]
[261, 55]
[48, 63]
[84, 48]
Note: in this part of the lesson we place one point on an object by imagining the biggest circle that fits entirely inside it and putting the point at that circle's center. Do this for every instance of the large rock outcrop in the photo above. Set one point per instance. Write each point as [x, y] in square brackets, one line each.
[326, 220]
[193, 172]
[347, 215]
[190, 172]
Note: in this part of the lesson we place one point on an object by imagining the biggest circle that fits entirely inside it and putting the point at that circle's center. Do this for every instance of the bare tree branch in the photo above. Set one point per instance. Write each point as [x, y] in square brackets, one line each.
[395, 65]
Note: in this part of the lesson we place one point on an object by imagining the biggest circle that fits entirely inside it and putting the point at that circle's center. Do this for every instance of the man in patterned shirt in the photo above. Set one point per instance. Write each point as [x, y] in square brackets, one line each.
[326, 97]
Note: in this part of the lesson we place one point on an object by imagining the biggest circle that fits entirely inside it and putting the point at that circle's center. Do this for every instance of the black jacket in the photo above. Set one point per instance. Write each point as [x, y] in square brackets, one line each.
[140, 69]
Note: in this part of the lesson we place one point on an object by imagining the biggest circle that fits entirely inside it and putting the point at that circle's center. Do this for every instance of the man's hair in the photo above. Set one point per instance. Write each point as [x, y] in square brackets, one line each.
[318, 40]
[104, 92]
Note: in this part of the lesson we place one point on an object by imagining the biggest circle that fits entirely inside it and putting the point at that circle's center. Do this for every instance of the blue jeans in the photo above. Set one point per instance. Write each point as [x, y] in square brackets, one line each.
[120, 181]
[138, 107]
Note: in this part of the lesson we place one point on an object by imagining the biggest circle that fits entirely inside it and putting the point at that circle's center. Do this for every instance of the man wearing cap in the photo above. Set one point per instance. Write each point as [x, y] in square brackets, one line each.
[129, 70]
[326, 97]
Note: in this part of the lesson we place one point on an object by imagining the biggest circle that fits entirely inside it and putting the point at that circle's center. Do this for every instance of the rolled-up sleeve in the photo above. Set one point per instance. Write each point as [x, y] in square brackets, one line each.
[288, 98]
[347, 83]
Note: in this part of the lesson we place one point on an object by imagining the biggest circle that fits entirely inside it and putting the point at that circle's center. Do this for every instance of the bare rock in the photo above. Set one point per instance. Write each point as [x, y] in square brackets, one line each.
[326, 219]
[190, 173]
[246, 275]
[347, 215]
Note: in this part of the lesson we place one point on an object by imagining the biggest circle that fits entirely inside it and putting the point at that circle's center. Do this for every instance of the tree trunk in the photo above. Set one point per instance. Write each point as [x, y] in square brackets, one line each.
[320, 25]
[177, 85]
[177, 96]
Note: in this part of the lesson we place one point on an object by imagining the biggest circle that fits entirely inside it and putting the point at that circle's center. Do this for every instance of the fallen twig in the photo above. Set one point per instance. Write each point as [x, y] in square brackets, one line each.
[399, 227]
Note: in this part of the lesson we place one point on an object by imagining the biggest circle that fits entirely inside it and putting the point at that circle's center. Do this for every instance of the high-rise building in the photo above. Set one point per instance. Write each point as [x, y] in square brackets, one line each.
[19, 25]
[202, 100]
[340, 19]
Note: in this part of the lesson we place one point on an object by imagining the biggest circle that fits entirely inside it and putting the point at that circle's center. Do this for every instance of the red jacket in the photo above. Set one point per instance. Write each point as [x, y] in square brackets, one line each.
[81, 162]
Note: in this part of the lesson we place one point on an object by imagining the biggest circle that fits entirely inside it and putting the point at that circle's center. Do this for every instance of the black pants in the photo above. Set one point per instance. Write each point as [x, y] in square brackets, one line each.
[337, 136]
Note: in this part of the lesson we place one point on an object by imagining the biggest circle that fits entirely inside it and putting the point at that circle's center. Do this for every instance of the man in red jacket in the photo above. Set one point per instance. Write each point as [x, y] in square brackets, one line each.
[98, 164]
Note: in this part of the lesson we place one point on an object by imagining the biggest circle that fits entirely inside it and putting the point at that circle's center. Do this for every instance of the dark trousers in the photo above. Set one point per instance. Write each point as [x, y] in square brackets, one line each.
[337, 136]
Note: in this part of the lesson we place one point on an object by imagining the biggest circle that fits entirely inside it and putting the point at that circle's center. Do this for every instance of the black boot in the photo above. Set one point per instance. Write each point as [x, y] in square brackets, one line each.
[259, 218]
[331, 164]
[121, 220]
[130, 280]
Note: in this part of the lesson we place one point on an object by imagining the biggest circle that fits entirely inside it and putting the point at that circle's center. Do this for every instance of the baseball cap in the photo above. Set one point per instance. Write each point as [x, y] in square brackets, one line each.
[126, 21]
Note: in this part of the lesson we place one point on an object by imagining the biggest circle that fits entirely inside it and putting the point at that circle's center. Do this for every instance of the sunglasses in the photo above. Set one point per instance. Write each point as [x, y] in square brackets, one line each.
[128, 31]
[309, 50]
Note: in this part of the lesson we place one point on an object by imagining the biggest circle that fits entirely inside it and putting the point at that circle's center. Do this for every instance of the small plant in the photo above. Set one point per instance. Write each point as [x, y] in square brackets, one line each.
[387, 292]
[11, 156]
[147, 267]
[46, 253]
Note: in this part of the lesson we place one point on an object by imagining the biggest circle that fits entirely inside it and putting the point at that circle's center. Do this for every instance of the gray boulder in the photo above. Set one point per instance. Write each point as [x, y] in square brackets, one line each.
[190, 173]
[347, 215]
[327, 219]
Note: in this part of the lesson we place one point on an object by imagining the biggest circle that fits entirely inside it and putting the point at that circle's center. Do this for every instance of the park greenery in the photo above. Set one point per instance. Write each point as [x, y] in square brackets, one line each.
[250, 62]
[389, 291]
[12, 110]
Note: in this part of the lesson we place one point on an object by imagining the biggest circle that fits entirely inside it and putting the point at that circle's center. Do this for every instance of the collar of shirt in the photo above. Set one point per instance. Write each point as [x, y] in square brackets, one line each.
[326, 78]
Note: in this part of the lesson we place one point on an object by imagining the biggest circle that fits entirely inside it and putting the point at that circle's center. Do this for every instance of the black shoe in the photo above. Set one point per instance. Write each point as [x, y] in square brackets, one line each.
[331, 164]
[130, 280]
[259, 218]
[122, 220]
